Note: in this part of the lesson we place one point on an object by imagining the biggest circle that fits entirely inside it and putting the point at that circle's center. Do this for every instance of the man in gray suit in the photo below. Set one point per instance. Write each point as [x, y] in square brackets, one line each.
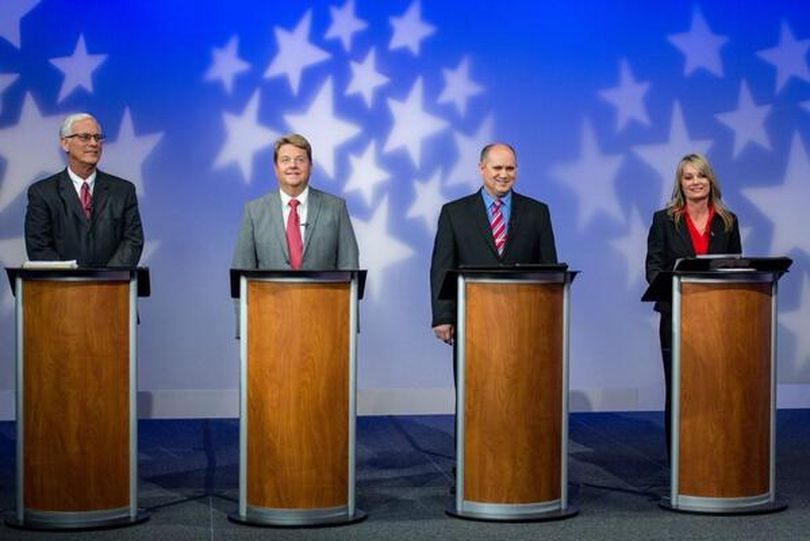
[295, 227]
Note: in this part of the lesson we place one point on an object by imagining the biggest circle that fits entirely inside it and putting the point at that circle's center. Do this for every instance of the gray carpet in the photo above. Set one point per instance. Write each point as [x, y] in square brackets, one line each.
[617, 474]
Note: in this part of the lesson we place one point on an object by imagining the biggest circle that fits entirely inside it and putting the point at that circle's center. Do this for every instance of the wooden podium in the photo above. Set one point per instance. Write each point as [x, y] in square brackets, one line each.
[297, 409]
[723, 383]
[77, 443]
[511, 349]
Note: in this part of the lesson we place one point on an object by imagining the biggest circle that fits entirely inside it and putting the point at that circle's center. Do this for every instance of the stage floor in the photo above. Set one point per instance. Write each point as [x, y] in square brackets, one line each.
[617, 475]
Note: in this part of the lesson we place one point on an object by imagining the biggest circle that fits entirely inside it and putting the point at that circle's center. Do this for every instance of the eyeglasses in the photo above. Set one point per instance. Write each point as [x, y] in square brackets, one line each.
[85, 137]
[299, 160]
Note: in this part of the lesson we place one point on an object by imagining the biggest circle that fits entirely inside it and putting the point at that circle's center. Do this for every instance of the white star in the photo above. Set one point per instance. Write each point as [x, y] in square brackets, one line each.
[344, 24]
[6, 80]
[458, 87]
[13, 12]
[32, 131]
[366, 78]
[700, 46]
[664, 157]
[245, 136]
[385, 250]
[796, 321]
[295, 52]
[465, 170]
[226, 64]
[747, 122]
[428, 202]
[12, 254]
[412, 124]
[789, 57]
[78, 69]
[786, 205]
[325, 131]
[592, 179]
[365, 174]
[125, 157]
[632, 247]
[410, 30]
[627, 98]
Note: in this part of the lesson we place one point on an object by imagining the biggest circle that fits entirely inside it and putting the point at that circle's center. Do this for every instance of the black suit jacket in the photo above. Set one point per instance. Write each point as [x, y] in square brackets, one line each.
[56, 228]
[463, 238]
[668, 242]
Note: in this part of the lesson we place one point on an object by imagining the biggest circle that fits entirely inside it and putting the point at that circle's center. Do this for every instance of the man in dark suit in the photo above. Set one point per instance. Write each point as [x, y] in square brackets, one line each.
[82, 213]
[494, 226]
[295, 226]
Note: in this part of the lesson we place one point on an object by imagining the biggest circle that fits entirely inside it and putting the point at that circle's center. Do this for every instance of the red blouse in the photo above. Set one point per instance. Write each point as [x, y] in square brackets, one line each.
[700, 243]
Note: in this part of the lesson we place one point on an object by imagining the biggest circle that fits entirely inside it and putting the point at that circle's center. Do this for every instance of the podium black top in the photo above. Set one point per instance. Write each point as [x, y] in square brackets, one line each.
[341, 275]
[448, 289]
[713, 267]
[144, 287]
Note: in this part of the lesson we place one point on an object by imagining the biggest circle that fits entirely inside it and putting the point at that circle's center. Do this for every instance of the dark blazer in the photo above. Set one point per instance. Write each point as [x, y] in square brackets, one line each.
[57, 230]
[667, 243]
[463, 238]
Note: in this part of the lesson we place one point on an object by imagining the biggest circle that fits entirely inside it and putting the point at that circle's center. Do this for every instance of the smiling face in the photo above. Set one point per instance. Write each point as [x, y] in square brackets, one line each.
[292, 169]
[498, 170]
[83, 156]
[695, 184]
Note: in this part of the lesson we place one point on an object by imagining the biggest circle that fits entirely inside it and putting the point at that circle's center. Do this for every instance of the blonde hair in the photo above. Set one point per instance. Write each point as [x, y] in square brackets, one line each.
[294, 139]
[676, 207]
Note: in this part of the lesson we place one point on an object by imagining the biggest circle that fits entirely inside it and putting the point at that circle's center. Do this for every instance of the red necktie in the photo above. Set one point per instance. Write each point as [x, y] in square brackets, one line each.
[294, 243]
[498, 226]
[85, 199]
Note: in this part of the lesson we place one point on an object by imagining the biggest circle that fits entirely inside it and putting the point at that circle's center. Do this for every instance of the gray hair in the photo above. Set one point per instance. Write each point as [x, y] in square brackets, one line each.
[67, 124]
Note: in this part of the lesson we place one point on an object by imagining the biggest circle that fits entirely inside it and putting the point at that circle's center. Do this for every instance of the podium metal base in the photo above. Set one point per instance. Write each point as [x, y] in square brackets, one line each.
[761, 509]
[501, 516]
[297, 519]
[76, 522]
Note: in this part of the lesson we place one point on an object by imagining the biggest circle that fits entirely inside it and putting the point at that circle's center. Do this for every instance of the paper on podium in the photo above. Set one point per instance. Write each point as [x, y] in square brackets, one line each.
[72, 264]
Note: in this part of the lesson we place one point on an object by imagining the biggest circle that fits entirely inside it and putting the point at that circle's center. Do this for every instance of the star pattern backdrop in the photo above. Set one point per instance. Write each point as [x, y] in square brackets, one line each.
[600, 100]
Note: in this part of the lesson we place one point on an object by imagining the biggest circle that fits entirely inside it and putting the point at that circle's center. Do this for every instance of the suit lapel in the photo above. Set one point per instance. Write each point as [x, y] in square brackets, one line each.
[277, 224]
[71, 200]
[514, 222]
[101, 196]
[682, 231]
[479, 214]
[716, 235]
[313, 212]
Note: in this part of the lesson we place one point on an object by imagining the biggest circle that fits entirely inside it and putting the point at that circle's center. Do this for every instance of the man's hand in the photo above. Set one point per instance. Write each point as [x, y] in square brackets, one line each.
[444, 333]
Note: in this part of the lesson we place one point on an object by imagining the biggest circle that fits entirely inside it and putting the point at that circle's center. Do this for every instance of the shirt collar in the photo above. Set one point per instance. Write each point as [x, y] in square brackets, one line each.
[302, 198]
[506, 200]
[78, 181]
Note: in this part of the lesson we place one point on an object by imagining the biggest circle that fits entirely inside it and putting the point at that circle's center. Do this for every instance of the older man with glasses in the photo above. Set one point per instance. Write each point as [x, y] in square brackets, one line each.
[82, 213]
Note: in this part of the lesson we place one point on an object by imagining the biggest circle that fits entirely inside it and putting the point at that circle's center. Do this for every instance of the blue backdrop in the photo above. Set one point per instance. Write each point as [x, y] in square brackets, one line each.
[600, 99]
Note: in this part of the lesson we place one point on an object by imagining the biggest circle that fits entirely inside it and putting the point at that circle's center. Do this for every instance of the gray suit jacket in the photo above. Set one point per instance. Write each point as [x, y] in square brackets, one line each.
[329, 241]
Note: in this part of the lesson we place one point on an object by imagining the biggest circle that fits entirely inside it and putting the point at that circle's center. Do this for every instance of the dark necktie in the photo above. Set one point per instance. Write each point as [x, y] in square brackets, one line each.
[85, 199]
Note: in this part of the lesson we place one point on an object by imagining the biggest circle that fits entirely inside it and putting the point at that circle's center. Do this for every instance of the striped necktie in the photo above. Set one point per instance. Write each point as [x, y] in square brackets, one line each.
[498, 226]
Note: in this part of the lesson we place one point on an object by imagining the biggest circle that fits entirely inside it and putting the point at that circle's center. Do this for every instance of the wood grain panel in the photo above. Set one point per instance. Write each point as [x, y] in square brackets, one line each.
[513, 372]
[298, 368]
[725, 390]
[76, 395]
